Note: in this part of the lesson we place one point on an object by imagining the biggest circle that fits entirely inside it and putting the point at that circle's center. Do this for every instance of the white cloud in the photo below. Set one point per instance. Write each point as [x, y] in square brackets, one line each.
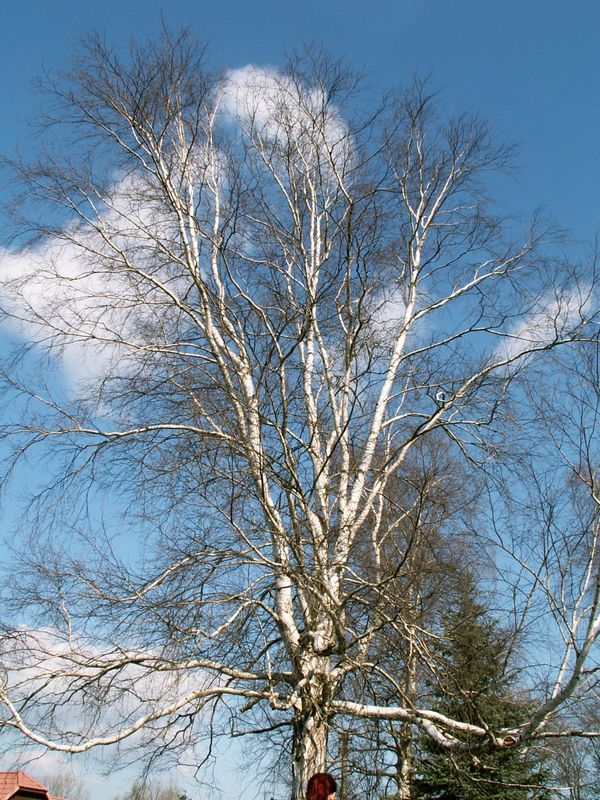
[386, 310]
[77, 684]
[84, 293]
[75, 293]
[554, 318]
[46, 662]
[50, 297]
[280, 111]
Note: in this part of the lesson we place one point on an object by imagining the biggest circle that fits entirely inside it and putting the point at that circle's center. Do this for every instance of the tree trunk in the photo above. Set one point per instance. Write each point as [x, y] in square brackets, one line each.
[404, 742]
[404, 764]
[311, 729]
[309, 751]
[343, 787]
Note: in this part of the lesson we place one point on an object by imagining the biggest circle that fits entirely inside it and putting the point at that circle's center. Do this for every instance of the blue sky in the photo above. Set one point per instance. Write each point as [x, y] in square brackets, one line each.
[531, 67]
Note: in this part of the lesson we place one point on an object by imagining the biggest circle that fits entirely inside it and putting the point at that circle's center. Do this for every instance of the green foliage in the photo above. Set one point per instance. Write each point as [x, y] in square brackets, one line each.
[473, 684]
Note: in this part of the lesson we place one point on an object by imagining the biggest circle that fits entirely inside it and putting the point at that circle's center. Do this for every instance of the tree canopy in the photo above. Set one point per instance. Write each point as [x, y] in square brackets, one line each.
[265, 323]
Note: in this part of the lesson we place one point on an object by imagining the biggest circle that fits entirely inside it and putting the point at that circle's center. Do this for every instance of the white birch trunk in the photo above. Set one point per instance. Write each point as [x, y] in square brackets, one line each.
[311, 723]
[309, 750]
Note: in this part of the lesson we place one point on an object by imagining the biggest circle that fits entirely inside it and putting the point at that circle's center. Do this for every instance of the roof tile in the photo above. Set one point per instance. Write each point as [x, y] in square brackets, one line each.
[11, 782]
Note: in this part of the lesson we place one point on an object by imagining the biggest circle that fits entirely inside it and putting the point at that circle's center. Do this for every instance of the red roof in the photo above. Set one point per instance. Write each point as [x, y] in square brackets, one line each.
[11, 782]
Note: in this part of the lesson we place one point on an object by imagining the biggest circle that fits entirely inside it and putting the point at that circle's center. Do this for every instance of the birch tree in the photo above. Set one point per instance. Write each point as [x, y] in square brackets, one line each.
[243, 301]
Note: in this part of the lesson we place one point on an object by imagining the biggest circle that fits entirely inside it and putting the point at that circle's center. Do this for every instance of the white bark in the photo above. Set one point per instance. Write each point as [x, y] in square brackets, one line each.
[279, 321]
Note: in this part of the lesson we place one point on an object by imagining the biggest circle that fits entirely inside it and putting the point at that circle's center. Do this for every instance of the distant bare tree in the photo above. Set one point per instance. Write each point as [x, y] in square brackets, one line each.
[265, 299]
[67, 785]
[153, 790]
[576, 774]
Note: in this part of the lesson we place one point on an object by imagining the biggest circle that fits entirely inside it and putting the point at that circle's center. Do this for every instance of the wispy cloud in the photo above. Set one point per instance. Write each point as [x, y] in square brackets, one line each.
[47, 664]
[555, 317]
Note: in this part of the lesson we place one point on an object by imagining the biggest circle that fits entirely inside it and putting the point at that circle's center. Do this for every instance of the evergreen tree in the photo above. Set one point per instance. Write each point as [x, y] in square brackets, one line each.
[473, 683]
